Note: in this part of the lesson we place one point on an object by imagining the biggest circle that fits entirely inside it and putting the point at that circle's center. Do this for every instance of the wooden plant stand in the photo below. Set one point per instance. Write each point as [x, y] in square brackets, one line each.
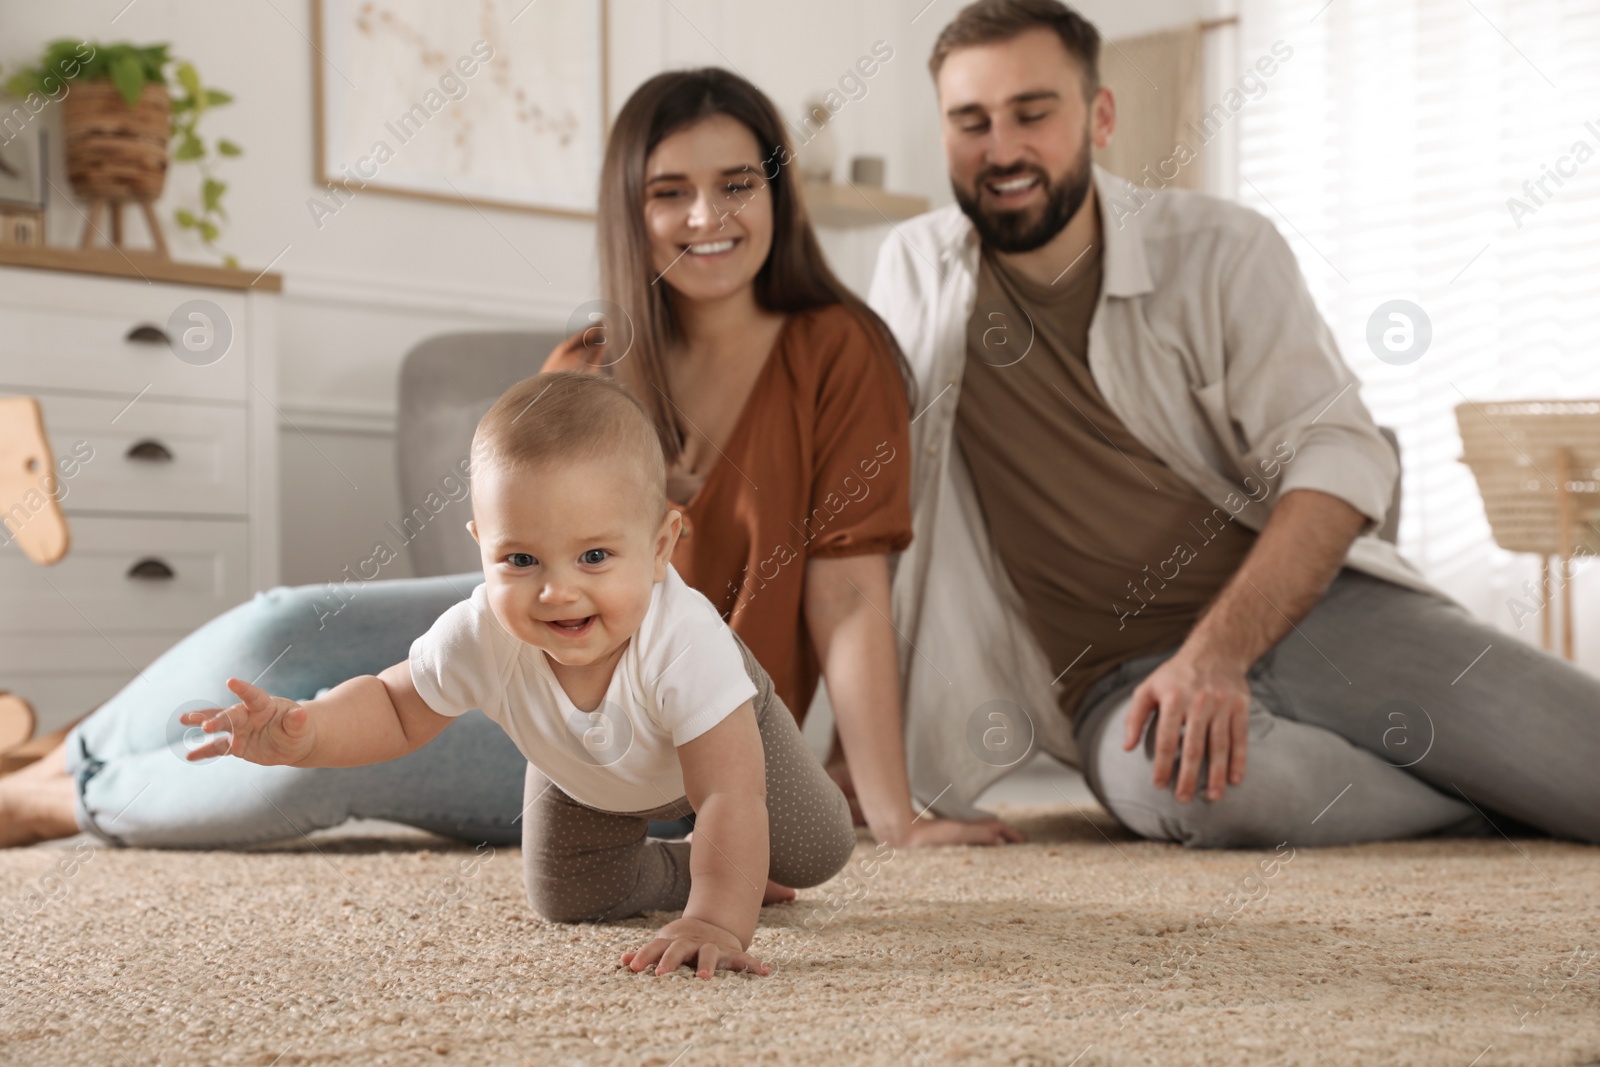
[99, 206]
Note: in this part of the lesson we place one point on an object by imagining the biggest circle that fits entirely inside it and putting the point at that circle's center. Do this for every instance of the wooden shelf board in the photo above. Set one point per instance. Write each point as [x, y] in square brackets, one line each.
[136, 264]
[848, 204]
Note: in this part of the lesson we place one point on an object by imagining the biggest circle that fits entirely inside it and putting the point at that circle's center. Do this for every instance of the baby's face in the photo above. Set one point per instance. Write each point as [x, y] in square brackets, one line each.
[571, 552]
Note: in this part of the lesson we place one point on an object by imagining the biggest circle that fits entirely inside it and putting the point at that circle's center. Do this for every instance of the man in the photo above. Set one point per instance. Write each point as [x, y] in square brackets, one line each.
[1145, 496]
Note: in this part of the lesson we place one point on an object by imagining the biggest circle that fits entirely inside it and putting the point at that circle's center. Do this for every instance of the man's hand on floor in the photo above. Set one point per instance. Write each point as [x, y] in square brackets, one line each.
[1206, 701]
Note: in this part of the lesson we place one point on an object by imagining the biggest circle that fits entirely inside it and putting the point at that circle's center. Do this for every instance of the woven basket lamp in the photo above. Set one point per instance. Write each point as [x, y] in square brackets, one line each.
[117, 154]
[1537, 463]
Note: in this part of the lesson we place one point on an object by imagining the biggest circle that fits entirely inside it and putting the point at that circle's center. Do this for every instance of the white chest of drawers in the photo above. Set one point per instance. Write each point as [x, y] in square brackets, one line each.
[174, 512]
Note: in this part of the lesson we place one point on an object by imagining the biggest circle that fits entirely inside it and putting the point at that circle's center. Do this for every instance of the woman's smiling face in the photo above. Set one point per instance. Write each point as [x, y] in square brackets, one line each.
[708, 209]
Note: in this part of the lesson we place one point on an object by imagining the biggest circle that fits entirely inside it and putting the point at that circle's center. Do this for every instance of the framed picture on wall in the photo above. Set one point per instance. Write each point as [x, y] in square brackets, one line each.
[499, 103]
[23, 160]
[22, 165]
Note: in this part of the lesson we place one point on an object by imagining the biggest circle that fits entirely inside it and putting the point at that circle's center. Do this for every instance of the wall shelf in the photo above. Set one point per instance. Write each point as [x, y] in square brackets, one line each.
[137, 264]
[846, 204]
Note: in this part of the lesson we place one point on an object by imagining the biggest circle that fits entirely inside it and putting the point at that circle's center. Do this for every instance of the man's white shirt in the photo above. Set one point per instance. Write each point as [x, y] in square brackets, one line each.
[1205, 342]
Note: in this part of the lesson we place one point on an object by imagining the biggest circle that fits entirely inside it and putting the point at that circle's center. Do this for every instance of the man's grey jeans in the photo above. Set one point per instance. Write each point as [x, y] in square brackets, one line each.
[1386, 713]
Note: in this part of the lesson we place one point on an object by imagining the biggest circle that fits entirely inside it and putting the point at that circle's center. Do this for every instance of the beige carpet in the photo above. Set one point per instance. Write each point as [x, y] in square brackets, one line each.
[1081, 947]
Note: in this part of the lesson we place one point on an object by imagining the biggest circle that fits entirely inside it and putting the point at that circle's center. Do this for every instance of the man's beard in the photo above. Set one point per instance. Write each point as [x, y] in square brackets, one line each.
[1011, 232]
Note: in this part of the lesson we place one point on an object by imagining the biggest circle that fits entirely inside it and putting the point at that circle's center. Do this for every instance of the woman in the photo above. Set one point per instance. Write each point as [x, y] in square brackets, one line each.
[785, 421]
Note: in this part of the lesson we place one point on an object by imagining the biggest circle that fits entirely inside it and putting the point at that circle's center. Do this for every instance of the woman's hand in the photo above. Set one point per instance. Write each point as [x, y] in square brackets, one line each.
[839, 771]
[930, 831]
[701, 944]
[926, 829]
[264, 729]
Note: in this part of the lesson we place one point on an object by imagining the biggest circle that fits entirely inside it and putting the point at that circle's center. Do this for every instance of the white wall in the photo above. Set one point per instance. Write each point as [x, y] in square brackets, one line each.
[386, 272]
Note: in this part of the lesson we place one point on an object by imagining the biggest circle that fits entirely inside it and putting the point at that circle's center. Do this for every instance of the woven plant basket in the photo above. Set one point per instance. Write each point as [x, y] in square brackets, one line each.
[1520, 451]
[113, 151]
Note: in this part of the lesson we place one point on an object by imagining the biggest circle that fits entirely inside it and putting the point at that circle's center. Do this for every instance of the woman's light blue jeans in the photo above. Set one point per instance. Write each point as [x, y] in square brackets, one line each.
[136, 788]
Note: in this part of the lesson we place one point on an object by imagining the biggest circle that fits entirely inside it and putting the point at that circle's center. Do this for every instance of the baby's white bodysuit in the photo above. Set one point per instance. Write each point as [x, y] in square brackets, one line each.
[681, 674]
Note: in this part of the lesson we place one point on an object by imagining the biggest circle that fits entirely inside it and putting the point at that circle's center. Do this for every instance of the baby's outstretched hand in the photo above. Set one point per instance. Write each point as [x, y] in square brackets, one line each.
[695, 942]
[264, 729]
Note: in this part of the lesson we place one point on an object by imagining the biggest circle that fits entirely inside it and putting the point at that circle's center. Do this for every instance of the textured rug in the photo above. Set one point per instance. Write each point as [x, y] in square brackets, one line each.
[1082, 947]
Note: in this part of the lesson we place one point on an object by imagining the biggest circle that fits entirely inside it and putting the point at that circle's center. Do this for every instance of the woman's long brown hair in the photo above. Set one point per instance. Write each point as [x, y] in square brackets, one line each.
[794, 278]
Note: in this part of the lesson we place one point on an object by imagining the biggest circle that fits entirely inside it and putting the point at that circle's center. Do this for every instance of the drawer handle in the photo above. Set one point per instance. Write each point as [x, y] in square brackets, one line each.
[152, 569]
[145, 334]
[150, 451]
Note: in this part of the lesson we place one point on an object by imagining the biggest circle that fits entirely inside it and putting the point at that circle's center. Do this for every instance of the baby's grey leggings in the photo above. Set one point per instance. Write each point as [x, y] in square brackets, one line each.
[581, 864]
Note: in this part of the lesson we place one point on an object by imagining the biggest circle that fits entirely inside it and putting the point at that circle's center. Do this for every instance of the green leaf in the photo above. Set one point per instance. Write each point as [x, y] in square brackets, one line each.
[95, 65]
[208, 230]
[228, 148]
[231, 261]
[62, 56]
[154, 58]
[189, 147]
[185, 218]
[57, 50]
[211, 194]
[189, 78]
[216, 98]
[128, 76]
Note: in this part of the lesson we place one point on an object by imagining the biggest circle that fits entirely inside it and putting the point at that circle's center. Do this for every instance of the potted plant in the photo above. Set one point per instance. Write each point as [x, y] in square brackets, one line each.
[125, 111]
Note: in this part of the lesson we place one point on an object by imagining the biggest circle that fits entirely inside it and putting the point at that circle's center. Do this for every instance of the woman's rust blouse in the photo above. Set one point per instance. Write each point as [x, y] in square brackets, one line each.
[818, 465]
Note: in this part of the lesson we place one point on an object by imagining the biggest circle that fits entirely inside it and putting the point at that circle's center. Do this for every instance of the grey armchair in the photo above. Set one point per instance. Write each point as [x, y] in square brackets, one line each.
[446, 385]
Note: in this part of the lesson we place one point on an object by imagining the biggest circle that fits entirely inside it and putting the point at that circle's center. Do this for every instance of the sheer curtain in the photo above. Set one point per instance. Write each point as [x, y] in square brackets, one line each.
[1445, 152]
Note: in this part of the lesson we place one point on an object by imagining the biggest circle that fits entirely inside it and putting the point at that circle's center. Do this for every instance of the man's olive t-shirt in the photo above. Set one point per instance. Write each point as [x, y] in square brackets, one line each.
[1114, 555]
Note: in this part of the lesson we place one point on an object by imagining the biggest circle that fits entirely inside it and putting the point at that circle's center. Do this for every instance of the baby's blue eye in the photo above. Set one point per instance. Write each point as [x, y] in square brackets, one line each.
[595, 556]
[520, 559]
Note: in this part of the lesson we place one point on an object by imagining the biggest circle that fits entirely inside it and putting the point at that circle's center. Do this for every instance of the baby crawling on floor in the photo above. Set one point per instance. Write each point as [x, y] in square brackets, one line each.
[623, 687]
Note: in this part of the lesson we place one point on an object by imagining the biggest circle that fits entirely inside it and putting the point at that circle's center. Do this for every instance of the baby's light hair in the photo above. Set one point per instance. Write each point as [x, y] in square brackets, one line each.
[568, 415]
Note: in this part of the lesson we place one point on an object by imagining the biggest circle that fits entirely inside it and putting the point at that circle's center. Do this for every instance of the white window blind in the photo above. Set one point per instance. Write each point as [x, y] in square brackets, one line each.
[1386, 150]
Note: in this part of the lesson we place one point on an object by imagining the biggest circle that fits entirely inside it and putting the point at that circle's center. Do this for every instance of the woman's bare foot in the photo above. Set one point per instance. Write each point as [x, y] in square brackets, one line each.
[17, 721]
[36, 809]
[52, 764]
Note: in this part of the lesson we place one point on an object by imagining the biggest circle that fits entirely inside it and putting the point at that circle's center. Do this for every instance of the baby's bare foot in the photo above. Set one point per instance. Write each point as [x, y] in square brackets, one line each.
[775, 893]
